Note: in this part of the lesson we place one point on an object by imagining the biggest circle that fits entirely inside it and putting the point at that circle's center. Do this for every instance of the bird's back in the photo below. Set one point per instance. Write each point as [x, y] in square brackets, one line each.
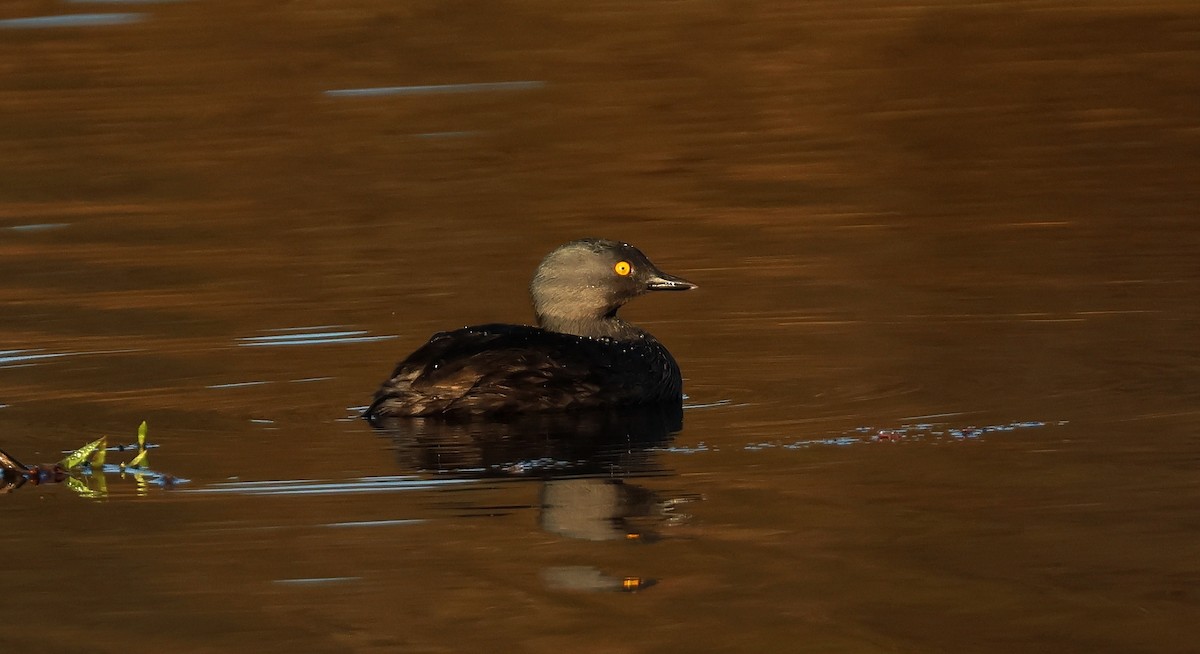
[497, 369]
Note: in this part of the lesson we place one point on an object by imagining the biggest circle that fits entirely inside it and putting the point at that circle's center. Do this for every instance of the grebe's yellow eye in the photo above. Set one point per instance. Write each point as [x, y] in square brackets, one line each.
[622, 268]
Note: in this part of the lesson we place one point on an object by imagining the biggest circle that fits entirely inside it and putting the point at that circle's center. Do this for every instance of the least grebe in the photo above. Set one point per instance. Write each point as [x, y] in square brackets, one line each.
[580, 355]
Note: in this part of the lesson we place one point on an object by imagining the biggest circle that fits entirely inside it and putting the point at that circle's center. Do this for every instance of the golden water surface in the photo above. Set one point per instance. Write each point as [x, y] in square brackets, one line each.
[943, 370]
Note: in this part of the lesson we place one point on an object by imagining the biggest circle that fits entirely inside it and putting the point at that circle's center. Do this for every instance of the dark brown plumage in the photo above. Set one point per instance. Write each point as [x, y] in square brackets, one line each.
[581, 355]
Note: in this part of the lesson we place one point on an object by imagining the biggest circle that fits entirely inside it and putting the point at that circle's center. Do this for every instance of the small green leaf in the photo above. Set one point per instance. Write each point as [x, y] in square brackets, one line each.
[77, 485]
[82, 487]
[138, 461]
[74, 459]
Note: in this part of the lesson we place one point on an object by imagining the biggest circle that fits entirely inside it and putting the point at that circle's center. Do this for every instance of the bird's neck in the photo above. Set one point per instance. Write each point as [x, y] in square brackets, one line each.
[591, 327]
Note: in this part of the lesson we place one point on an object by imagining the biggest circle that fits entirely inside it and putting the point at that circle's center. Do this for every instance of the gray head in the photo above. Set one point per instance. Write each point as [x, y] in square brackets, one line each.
[578, 288]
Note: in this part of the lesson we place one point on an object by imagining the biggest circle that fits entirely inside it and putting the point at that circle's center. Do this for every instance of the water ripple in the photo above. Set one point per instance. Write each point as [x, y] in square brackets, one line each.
[311, 338]
[316, 580]
[22, 358]
[445, 135]
[70, 20]
[918, 431]
[374, 523]
[38, 227]
[327, 487]
[238, 384]
[436, 88]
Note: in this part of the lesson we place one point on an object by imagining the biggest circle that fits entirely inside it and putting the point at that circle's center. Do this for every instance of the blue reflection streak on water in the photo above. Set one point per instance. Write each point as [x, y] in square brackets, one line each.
[327, 487]
[71, 20]
[302, 337]
[319, 341]
[239, 384]
[437, 88]
[141, 475]
[936, 415]
[445, 135]
[840, 441]
[14, 356]
[374, 523]
[311, 338]
[710, 405]
[20, 358]
[302, 329]
[917, 431]
[683, 449]
[124, 447]
[268, 482]
[38, 227]
[316, 580]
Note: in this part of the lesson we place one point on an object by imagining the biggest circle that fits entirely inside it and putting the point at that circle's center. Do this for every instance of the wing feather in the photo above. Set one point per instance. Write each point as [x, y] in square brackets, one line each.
[502, 368]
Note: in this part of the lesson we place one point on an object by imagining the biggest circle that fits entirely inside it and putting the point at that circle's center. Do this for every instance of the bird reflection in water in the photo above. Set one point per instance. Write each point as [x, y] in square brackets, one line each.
[582, 459]
[610, 442]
